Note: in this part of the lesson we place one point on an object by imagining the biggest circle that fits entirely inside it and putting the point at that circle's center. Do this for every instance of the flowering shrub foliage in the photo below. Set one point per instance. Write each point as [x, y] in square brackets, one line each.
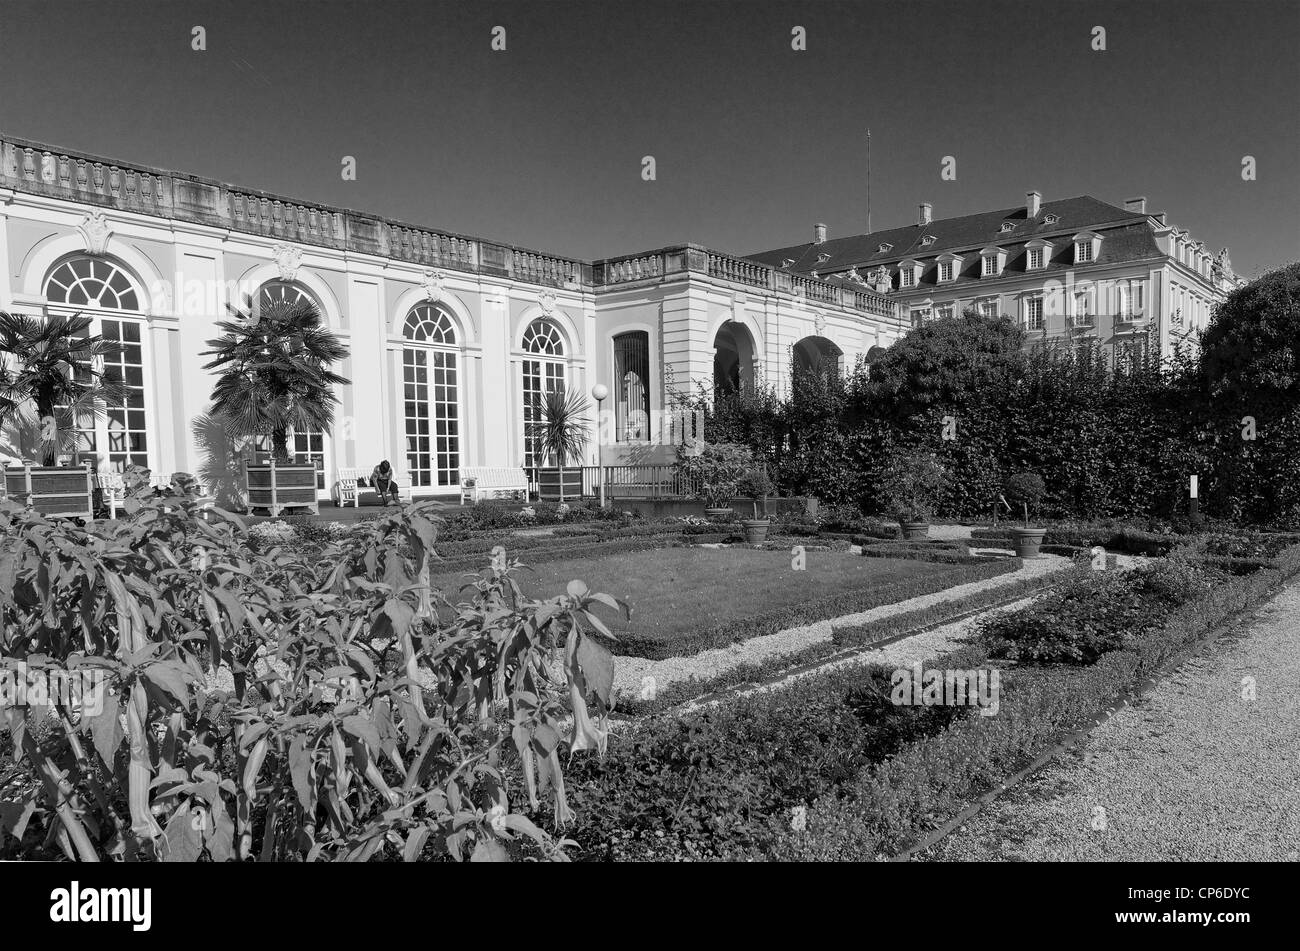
[363, 717]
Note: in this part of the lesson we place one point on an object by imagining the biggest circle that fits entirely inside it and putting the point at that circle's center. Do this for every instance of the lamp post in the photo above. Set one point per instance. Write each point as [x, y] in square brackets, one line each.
[599, 392]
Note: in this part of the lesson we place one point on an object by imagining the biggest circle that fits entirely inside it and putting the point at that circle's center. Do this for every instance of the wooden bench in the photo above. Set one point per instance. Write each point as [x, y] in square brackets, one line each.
[490, 481]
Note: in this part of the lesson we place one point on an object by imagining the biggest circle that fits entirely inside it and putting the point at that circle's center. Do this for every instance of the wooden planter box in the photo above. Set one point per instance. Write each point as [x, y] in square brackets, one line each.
[548, 483]
[276, 488]
[53, 490]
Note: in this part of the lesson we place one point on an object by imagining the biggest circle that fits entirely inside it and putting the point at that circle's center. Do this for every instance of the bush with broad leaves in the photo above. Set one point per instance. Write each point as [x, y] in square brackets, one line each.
[362, 716]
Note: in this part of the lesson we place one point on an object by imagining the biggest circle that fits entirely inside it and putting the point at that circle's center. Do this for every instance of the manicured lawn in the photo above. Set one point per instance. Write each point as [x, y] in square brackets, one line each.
[672, 590]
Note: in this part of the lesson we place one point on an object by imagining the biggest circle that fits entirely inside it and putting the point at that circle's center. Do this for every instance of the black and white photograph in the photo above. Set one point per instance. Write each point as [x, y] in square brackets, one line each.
[628, 433]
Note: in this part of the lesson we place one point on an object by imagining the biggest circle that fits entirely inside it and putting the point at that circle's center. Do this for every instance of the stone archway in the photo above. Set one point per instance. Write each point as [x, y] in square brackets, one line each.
[733, 358]
[817, 355]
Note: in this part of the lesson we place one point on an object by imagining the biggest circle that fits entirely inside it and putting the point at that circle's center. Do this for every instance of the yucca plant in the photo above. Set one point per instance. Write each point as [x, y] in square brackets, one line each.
[53, 380]
[559, 427]
[276, 372]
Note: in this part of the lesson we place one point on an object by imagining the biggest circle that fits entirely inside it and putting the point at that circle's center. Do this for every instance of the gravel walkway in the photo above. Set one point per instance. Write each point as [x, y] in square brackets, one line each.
[629, 671]
[1192, 773]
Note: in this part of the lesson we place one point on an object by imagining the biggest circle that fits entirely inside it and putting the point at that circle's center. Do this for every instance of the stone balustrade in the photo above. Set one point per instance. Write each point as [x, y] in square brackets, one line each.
[37, 169]
[657, 265]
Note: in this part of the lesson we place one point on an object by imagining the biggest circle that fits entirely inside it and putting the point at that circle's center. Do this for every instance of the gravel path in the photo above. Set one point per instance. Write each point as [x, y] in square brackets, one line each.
[629, 671]
[1194, 772]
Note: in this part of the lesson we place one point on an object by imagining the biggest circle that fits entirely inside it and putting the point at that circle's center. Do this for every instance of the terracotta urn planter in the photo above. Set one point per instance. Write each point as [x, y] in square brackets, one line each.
[914, 530]
[1027, 541]
[717, 512]
[756, 530]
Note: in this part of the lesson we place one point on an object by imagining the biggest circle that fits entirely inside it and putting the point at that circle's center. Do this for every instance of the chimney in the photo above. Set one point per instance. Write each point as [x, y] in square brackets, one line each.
[1160, 218]
[924, 217]
[819, 234]
[1136, 204]
[1033, 200]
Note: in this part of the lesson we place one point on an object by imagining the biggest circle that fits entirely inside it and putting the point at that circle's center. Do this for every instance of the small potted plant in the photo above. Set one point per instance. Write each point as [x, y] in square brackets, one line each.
[1026, 490]
[912, 486]
[758, 486]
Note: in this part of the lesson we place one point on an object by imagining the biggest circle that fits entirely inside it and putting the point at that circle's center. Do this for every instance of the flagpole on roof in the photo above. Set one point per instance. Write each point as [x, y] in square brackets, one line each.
[868, 181]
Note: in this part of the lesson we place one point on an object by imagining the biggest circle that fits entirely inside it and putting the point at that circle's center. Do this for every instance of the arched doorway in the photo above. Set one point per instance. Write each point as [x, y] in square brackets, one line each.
[817, 356]
[733, 358]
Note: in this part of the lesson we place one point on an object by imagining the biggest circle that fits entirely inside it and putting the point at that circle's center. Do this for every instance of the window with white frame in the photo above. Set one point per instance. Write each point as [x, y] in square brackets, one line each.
[431, 396]
[945, 271]
[1034, 313]
[944, 311]
[907, 277]
[1035, 259]
[989, 307]
[1083, 252]
[990, 265]
[101, 289]
[920, 315]
[1084, 306]
[543, 372]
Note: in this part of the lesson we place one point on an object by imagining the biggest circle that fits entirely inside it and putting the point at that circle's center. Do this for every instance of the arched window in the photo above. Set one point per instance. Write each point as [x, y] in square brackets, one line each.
[286, 292]
[101, 289]
[543, 373]
[632, 386]
[91, 282]
[307, 445]
[431, 390]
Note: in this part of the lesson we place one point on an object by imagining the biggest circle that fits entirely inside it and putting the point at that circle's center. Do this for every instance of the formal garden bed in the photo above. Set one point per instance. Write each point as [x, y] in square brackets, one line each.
[829, 768]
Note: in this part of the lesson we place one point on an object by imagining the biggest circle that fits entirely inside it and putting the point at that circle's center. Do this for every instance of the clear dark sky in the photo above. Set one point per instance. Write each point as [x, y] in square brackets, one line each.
[541, 145]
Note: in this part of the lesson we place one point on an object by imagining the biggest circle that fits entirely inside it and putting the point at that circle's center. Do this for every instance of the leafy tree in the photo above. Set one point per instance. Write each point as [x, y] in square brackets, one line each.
[52, 369]
[1251, 348]
[275, 372]
[943, 362]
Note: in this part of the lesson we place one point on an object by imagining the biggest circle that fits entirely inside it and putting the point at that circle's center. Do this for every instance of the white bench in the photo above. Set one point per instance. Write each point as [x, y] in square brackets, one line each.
[346, 489]
[489, 482]
[113, 487]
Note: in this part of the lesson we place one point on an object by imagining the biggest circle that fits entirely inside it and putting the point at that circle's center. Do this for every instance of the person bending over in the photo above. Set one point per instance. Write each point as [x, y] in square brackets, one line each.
[382, 479]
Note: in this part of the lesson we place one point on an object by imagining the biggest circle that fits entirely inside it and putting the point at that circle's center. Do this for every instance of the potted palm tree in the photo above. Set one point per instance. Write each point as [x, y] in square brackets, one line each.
[559, 430]
[758, 486]
[1025, 489]
[275, 376]
[53, 385]
[912, 485]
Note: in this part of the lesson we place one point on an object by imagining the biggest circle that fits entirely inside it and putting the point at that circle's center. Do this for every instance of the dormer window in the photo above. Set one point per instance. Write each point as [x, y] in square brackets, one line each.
[992, 260]
[1008, 226]
[823, 258]
[909, 273]
[949, 268]
[1051, 219]
[1087, 245]
[787, 262]
[927, 240]
[885, 248]
[1037, 253]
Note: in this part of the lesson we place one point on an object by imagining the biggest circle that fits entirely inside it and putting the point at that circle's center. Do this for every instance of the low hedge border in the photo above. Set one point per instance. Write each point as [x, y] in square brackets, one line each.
[892, 804]
[1125, 539]
[544, 553]
[845, 641]
[686, 643]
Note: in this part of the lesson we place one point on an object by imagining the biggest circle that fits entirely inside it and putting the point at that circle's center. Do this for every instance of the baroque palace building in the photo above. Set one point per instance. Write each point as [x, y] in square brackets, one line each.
[1074, 270]
[450, 337]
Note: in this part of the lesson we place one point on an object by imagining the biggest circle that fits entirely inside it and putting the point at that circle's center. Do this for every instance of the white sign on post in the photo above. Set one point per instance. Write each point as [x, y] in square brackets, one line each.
[1193, 486]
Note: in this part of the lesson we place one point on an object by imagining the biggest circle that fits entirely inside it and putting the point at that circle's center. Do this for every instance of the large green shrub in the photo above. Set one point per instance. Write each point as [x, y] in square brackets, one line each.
[352, 724]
